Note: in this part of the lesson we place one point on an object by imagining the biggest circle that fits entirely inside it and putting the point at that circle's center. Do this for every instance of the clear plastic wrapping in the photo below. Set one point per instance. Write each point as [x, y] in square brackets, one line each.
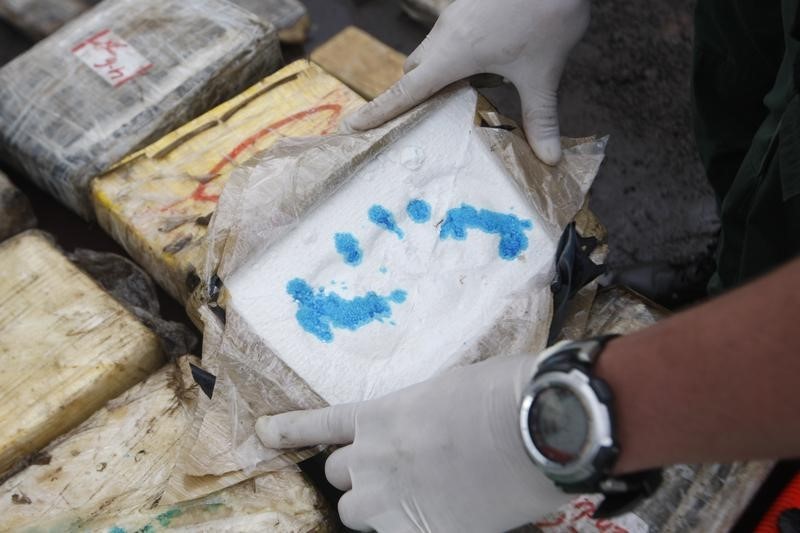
[120, 76]
[134, 289]
[302, 191]
[40, 18]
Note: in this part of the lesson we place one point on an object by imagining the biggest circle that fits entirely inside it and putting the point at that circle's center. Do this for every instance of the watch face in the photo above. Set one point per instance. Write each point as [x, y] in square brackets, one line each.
[559, 424]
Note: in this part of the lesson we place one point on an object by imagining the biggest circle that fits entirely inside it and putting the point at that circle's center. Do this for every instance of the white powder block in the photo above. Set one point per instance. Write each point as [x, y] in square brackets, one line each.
[370, 293]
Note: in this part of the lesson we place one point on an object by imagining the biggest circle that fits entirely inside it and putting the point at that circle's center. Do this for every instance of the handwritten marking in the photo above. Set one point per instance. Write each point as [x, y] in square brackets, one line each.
[111, 57]
[200, 194]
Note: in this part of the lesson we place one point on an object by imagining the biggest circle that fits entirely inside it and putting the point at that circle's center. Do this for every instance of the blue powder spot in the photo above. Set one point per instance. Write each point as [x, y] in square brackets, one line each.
[419, 211]
[383, 270]
[348, 248]
[511, 229]
[320, 312]
[166, 518]
[116, 529]
[398, 296]
[383, 218]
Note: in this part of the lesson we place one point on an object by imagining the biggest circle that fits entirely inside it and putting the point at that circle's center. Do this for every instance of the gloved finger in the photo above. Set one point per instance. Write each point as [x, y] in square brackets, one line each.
[540, 120]
[337, 468]
[413, 88]
[353, 510]
[332, 425]
[418, 55]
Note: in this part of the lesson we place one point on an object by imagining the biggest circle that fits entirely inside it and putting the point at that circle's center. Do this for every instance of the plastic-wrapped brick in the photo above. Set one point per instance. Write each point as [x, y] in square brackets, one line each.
[117, 472]
[158, 202]
[40, 18]
[66, 348]
[288, 16]
[120, 76]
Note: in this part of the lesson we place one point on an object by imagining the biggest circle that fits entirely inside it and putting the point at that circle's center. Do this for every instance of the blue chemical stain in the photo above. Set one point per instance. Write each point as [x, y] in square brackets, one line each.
[419, 211]
[511, 229]
[348, 248]
[385, 219]
[383, 270]
[166, 518]
[320, 312]
[116, 529]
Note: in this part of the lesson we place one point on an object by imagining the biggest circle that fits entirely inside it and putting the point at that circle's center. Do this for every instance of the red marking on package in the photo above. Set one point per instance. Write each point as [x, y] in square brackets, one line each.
[576, 517]
[111, 57]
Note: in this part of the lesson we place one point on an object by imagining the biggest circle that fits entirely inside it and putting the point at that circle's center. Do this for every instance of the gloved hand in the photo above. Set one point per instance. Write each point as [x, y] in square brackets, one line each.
[443, 455]
[525, 41]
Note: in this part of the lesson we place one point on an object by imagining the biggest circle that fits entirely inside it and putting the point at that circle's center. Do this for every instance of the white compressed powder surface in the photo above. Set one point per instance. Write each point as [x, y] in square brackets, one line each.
[454, 292]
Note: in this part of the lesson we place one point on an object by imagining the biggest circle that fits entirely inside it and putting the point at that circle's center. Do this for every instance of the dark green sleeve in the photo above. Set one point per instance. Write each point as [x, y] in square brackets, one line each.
[747, 119]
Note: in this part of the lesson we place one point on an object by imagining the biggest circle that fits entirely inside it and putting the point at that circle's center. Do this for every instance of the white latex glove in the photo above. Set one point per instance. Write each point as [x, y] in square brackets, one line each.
[525, 41]
[444, 455]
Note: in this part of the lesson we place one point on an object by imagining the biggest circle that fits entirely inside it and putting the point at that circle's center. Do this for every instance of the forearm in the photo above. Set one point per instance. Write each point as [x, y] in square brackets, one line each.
[715, 383]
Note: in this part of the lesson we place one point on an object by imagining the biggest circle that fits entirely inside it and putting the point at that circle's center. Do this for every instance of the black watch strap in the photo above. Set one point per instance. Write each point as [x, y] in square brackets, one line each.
[630, 490]
[621, 493]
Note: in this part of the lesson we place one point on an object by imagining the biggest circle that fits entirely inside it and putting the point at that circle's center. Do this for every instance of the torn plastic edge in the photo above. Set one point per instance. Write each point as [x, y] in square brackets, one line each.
[205, 380]
[574, 270]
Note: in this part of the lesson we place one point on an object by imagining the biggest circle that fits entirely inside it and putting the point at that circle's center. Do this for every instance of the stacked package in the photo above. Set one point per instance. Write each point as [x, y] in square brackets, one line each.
[66, 347]
[158, 202]
[116, 472]
[15, 210]
[289, 17]
[40, 18]
[119, 76]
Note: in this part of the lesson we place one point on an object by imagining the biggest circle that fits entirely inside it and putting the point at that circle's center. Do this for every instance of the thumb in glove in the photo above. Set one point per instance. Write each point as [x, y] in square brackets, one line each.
[525, 41]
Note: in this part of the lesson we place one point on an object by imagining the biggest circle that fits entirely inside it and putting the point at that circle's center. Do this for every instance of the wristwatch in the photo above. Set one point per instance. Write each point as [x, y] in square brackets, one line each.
[568, 428]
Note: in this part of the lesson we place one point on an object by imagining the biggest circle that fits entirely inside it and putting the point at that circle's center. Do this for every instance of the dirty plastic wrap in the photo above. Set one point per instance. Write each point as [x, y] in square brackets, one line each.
[289, 17]
[116, 472]
[262, 226]
[120, 76]
[133, 288]
[40, 18]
